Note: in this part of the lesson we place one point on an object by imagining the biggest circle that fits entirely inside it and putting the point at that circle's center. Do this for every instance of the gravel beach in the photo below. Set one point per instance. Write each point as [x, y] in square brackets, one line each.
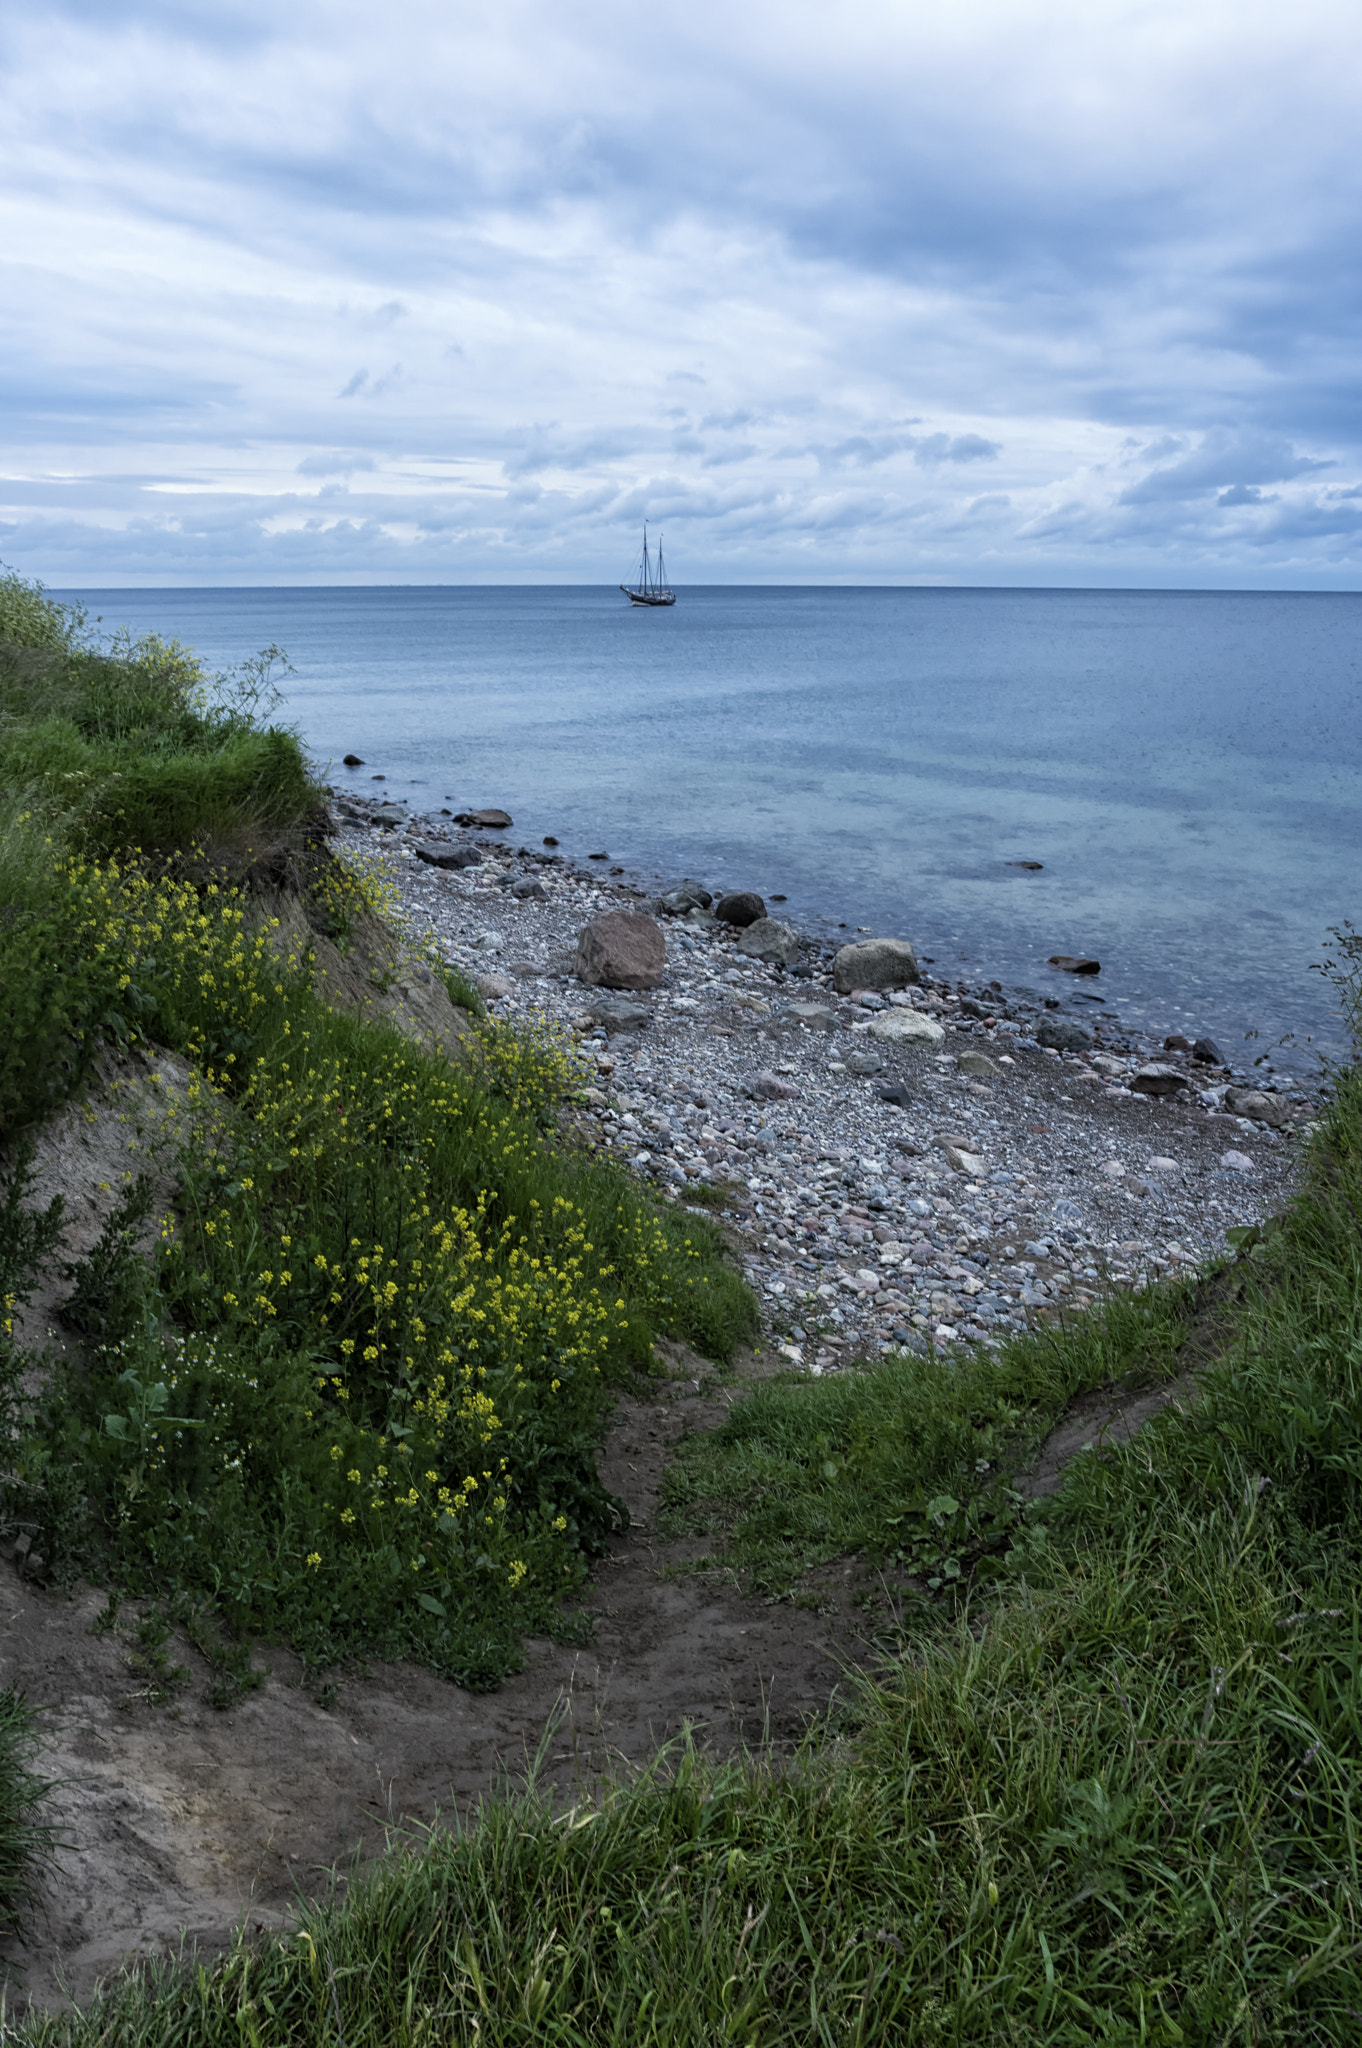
[909, 1166]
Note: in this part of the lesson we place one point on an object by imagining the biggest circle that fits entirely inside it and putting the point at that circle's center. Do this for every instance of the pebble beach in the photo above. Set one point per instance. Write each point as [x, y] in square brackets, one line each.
[907, 1166]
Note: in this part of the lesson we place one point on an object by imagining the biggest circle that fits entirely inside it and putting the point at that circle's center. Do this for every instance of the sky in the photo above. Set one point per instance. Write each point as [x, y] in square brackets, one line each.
[993, 292]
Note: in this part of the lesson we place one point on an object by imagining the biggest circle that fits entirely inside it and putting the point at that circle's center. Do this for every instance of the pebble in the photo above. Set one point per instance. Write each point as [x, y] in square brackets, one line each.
[894, 1176]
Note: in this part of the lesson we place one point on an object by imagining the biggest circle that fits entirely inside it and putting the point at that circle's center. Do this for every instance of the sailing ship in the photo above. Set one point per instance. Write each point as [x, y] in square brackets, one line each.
[651, 585]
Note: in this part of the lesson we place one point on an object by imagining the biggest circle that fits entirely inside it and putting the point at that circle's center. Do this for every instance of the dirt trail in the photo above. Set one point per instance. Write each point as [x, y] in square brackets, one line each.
[181, 1820]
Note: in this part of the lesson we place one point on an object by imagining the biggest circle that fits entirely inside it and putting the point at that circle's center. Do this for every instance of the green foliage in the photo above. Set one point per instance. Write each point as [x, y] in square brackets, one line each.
[805, 1471]
[355, 1400]
[107, 1300]
[28, 1237]
[462, 992]
[30, 618]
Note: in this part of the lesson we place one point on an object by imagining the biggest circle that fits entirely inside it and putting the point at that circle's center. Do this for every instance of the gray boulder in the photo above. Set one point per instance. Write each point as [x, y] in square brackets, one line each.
[979, 1066]
[769, 940]
[1259, 1107]
[438, 853]
[813, 1016]
[743, 907]
[875, 964]
[621, 949]
[389, 816]
[687, 896]
[1158, 1079]
[618, 1016]
[1206, 1050]
[769, 1088]
[1060, 1035]
[529, 891]
[864, 1063]
[485, 821]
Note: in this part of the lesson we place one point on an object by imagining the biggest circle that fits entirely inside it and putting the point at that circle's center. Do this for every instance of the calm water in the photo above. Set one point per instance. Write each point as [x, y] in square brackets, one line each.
[1185, 765]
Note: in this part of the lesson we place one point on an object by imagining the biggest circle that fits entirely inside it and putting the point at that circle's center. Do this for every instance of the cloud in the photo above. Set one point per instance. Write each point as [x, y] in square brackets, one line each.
[1104, 255]
[334, 462]
[958, 448]
[1245, 494]
[1232, 462]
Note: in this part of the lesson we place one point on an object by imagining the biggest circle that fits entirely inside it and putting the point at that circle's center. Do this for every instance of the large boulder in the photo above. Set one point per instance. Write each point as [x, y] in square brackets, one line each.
[1060, 1034]
[1158, 1078]
[743, 907]
[900, 1027]
[621, 949]
[442, 853]
[485, 821]
[687, 896]
[617, 1015]
[770, 940]
[1260, 1107]
[875, 964]
[814, 1016]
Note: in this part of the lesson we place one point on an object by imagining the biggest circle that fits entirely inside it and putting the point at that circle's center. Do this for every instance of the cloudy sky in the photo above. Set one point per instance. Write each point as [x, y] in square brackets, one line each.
[996, 291]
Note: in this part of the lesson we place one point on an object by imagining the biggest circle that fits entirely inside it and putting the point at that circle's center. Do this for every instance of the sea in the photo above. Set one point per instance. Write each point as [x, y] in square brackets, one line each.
[1167, 782]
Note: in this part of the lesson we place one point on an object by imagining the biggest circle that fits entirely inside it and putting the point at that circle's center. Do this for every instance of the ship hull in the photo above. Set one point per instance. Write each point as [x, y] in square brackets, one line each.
[650, 598]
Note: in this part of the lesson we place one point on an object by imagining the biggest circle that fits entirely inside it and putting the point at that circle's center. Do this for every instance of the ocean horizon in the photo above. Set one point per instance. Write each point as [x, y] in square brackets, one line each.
[1185, 766]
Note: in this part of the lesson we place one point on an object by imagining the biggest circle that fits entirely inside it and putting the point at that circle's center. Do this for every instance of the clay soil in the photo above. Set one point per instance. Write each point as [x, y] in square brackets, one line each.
[180, 1821]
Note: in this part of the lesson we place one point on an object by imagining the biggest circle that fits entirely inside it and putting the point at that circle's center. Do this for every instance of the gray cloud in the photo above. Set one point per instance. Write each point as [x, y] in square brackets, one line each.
[1231, 462]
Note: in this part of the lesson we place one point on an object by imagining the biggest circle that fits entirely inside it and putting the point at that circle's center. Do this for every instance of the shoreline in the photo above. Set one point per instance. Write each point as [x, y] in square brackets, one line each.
[974, 1206]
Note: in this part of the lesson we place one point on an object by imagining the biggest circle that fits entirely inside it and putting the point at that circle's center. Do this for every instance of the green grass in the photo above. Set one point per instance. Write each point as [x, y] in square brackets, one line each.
[905, 1462]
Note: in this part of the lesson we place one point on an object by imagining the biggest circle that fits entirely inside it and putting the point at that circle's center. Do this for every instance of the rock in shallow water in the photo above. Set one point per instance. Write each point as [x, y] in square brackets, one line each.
[742, 907]
[486, 821]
